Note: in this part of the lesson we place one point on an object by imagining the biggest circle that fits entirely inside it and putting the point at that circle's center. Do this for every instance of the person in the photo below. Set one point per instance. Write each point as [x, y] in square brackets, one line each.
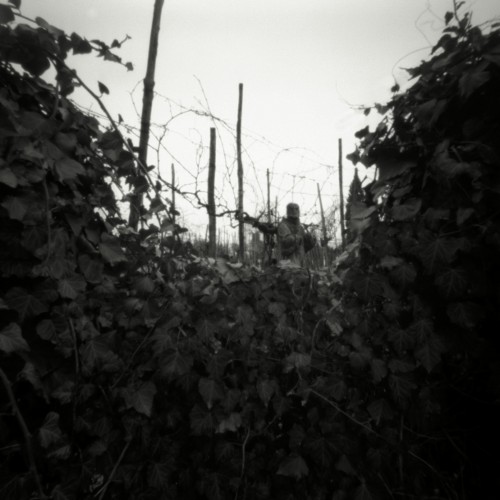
[293, 239]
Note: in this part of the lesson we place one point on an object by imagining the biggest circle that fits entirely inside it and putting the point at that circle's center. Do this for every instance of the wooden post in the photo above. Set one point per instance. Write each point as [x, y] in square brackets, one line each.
[241, 226]
[341, 191]
[136, 200]
[212, 224]
[173, 196]
[323, 224]
[268, 198]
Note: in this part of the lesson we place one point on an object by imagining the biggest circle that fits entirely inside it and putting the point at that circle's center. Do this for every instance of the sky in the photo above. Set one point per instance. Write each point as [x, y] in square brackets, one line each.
[307, 67]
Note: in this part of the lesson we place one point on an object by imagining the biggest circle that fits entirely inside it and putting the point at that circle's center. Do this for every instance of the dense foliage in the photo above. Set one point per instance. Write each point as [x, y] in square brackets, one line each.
[130, 369]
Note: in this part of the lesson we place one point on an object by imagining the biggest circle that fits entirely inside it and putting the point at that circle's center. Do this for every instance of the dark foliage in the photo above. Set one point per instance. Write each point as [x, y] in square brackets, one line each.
[132, 370]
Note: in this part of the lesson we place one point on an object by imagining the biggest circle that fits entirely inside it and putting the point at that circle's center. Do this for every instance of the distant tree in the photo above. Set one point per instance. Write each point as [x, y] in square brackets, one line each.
[356, 195]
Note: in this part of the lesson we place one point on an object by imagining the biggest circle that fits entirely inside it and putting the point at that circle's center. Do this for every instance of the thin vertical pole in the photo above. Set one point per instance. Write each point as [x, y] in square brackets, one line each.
[241, 226]
[136, 199]
[323, 224]
[212, 224]
[341, 191]
[268, 198]
[173, 196]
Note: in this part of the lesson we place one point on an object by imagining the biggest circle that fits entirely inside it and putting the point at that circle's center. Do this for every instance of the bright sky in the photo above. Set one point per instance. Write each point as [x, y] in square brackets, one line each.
[305, 66]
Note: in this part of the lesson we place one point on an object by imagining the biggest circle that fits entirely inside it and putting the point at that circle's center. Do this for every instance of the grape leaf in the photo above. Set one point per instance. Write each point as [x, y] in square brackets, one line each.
[17, 207]
[25, 304]
[158, 474]
[175, 364]
[379, 370]
[71, 286]
[11, 339]
[401, 387]
[380, 410]
[8, 177]
[111, 250]
[452, 283]
[293, 466]
[50, 433]
[403, 275]
[102, 88]
[406, 210]
[68, 169]
[142, 399]
[401, 339]
[202, 421]
[230, 424]
[429, 353]
[92, 269]
[211, 391]
[6, 14]
[265, 390]
[362, 492]
[471, 80]
[393, 167]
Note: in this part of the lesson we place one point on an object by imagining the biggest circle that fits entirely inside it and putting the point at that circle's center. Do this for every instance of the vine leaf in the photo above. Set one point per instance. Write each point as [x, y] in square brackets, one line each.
[230, 424]
[102, 88]
[406, 210]
[380, 410]
[464, 314]
[440, 251]
[452, 283]
[404, 275]
[265, 390]
[46, 329]
[142, 399]
[362, 492]
[92, 269]
[344, 465]
[175, 364]
[71, 286]
[158, 474]
[211, 391]
[393, 167]
[471, 80]
[25, 304]
[110, 249]
[11, 339]
[429, 354]
[379, 370]
[8, 177]
[17, 207]
[50, 433]
[297, 360]
[401, 387]
[6, 14]
[293, 466]
[68, 169]
[202, 420]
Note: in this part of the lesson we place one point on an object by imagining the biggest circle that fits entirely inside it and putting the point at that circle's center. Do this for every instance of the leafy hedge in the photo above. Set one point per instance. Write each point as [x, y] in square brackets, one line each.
[131, 369]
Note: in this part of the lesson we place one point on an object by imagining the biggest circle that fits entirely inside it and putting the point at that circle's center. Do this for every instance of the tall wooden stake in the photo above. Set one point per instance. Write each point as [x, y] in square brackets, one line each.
[323, 224]
[268, 239]
[173, 196]
[341, 191]
[268, 198]
[241, 226]
[147, 105]
[212, 224]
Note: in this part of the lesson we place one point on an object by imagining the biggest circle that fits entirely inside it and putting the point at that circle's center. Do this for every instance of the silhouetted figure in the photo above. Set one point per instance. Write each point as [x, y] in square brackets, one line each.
[293, 239]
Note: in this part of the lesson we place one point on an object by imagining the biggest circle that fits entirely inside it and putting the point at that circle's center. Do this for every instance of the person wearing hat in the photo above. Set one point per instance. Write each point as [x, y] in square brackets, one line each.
[293, 239]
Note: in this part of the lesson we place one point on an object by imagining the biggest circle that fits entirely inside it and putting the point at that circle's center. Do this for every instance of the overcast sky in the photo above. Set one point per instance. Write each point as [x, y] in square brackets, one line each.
[305, 66]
